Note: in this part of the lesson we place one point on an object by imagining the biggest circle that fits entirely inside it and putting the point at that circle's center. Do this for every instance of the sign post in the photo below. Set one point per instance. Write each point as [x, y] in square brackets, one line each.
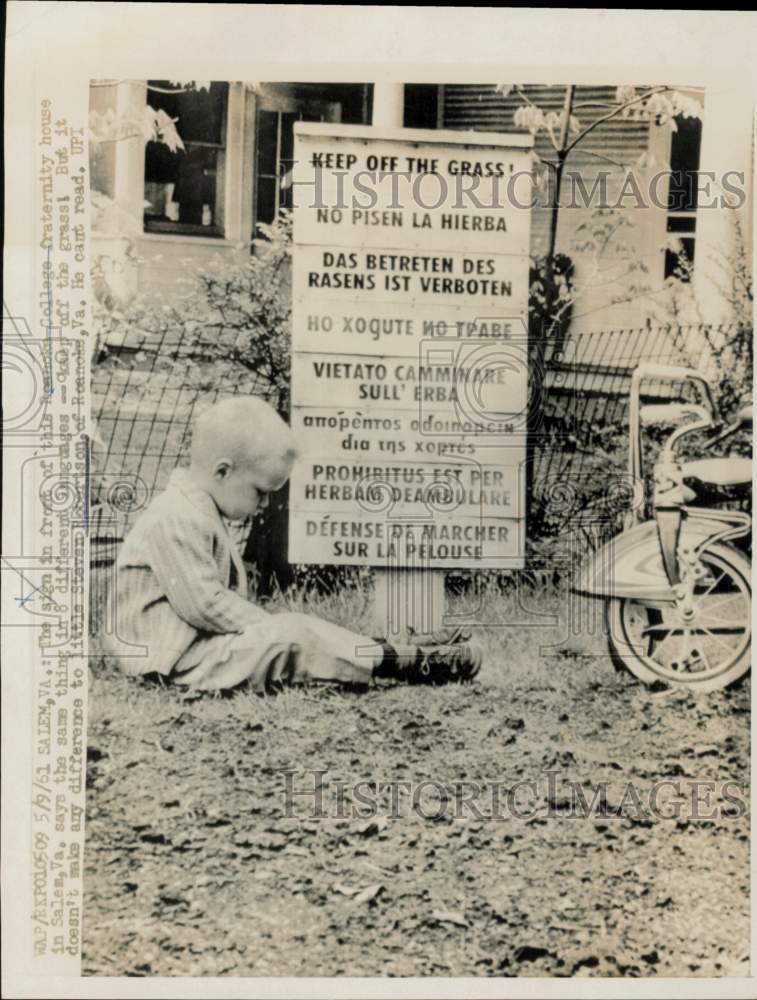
[409, 357]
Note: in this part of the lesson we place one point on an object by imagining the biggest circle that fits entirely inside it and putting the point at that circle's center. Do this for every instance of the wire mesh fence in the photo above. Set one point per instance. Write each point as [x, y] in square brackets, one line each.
[146, 390]
[579, 487]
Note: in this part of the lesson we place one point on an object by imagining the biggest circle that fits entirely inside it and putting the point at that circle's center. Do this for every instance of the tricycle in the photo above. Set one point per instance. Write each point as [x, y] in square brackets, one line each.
[676, 582]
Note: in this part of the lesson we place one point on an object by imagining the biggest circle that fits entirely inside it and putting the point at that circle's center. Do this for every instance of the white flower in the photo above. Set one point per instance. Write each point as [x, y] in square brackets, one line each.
[529, 117]
[625, 93]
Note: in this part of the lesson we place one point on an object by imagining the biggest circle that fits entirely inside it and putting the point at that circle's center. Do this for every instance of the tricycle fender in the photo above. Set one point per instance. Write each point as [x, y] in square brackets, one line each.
[630, 565]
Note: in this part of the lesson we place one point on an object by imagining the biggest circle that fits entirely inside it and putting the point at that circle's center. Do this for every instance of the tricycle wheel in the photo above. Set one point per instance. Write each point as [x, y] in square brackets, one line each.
[705, 653]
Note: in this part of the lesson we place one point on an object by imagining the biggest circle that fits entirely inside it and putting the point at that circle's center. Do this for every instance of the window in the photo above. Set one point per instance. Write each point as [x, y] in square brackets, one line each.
[685, 148]
[275, 145]
[275, 152]
[184, 191]
[421, 105]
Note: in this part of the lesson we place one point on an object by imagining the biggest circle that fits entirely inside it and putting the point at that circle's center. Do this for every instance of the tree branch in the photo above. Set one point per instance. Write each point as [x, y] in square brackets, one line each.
[601, 156]
[592, 104]
[621, 107]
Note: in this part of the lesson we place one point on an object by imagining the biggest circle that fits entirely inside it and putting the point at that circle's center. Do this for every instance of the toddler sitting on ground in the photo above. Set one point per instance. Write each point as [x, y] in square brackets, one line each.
[180, 595]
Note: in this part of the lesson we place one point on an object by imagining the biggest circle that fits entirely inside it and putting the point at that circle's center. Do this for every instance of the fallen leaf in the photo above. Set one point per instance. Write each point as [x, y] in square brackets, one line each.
[450, 917]
[370, 892]
[345, 890]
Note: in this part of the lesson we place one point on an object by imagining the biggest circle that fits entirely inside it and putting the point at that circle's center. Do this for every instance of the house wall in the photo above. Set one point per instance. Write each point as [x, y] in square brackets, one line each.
[727, 146]
[619, 287]
[631, 239]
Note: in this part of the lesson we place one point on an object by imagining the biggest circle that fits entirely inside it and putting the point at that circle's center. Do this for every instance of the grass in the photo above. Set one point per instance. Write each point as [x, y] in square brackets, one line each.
[193, 866]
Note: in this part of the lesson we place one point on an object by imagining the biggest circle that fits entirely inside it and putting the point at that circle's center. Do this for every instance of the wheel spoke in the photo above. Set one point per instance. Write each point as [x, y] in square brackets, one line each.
[714, 584]
[701, 629]
[718, 621]
[683, 648]
[685, 659]
[707, 663]
[662, 642]
[723, 624]
[723, 629]
[652, 629]
[725, 600]
[720, 629]
[718, 640]
[709, 645]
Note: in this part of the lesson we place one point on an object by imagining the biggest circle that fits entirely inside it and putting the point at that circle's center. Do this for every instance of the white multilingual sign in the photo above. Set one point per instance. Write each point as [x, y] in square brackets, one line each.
[409, 347]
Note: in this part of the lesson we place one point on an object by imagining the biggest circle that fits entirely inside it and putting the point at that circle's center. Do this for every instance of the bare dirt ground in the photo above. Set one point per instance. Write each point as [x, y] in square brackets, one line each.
[193, 867]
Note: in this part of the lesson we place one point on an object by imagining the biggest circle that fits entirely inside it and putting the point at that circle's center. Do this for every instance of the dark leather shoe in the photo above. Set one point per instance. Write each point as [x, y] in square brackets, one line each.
[445, 664]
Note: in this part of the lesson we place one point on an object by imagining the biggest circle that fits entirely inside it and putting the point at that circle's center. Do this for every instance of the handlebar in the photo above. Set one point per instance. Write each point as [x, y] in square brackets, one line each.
[672, 373]
[650, 369]
[671, 413]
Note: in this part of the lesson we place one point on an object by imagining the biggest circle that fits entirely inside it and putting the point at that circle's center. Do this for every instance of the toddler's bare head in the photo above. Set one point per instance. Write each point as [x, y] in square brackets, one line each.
[241, 451]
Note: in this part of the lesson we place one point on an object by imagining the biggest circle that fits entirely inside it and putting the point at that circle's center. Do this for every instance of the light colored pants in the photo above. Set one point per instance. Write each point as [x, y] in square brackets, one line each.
[283, 649]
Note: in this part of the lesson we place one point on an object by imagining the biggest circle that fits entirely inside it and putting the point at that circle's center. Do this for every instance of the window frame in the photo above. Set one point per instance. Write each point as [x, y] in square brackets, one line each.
[303, 109]
[238, 180]
[686, 236]
[657, 234]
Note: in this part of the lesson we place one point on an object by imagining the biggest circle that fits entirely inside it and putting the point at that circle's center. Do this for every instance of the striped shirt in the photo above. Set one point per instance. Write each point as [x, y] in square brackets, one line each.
[179, 575]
